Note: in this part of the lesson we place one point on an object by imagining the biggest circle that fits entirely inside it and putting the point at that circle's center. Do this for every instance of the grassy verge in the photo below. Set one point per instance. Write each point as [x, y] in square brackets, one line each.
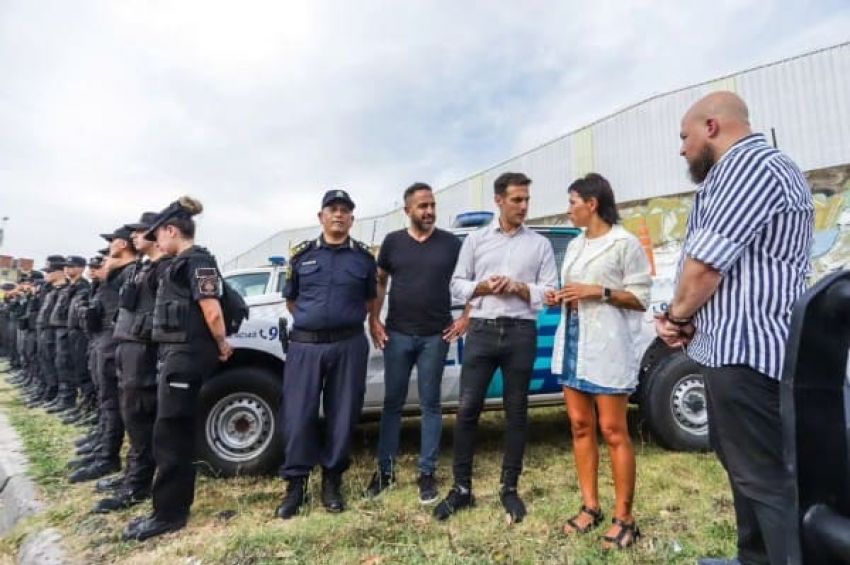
[683, 507]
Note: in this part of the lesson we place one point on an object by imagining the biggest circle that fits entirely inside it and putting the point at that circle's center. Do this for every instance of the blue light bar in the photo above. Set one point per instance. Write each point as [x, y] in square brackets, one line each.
[277, 260]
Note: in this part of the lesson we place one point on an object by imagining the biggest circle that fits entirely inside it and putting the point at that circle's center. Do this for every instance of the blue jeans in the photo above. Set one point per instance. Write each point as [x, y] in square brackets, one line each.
[401, 354]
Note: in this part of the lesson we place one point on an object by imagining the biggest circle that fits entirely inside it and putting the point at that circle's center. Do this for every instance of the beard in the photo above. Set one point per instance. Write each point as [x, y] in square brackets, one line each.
[423, 224]
[698, 168]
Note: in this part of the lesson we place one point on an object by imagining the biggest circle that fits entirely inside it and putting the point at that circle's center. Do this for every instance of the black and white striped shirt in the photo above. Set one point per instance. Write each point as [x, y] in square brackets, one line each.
[752, 220]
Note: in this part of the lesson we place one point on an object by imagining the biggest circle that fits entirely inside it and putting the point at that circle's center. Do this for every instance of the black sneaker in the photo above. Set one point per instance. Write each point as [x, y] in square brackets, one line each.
[457, 499]
[427, 488]
[513, 504]
[380, 482]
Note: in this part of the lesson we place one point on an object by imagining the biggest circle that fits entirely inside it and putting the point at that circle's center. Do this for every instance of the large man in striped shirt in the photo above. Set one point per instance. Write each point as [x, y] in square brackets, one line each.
[745, 262]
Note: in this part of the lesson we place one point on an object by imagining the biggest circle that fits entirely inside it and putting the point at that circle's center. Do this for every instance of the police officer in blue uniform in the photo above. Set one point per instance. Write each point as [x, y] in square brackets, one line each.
[189, 328]
[330, 283]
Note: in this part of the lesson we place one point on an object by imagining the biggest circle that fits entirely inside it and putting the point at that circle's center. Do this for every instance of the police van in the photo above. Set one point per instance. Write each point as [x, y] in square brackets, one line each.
[240, 426]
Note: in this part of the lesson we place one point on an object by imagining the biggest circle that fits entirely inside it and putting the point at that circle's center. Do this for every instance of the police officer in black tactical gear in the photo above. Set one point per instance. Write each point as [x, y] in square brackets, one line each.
[91, 442]
[27, 320]
[55, 279]
[330, 283]
[78, 341]
[67, 391]
[188, 325]
[101, 317]
[136, 363]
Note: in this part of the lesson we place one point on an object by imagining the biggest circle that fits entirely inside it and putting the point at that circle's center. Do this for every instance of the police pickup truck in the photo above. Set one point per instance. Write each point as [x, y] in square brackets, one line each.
[240, 426]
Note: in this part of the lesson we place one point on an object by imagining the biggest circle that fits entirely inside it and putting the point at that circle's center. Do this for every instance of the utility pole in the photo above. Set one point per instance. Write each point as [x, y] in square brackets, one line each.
[3, 221]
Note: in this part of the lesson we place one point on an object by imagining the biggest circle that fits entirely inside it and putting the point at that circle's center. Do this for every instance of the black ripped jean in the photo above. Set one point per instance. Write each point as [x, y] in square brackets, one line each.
[510, 345]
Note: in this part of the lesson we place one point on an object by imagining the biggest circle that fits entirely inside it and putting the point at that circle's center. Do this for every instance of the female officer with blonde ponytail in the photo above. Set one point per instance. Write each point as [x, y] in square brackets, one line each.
[188, 324]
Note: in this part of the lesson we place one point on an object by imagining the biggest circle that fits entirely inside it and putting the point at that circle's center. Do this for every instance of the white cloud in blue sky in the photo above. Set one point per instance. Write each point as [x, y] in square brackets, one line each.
[110, 108]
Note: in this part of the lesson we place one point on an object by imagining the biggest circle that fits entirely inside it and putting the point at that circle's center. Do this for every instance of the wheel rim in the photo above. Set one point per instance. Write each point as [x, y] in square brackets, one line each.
[688, 404]
[240, 427]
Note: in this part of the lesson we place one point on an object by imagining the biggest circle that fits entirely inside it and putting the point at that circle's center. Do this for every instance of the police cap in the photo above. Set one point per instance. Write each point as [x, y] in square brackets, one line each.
[145, 222]
[96, 262]
[54, 263]
[75, 261]
[121, 233]
[332, 196]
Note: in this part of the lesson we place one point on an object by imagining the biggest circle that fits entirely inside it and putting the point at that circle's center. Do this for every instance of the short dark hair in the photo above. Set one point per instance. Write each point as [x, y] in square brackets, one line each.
[501, 184]
[594, 185]
[415, 187]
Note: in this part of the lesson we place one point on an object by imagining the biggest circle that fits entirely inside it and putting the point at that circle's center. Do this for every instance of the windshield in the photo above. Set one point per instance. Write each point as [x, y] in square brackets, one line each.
[249, 284]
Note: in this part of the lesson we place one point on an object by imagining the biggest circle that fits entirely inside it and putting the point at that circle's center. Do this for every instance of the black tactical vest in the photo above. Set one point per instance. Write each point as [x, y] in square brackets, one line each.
[33, 308]
[138, 298]
[176, 318]
[46, 307]
[59, 316]
[108, 295]
[78, 300]
[23, 312]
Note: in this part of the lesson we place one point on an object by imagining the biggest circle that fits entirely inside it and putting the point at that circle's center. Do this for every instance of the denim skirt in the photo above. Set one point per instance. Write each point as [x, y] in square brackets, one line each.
[569, 377]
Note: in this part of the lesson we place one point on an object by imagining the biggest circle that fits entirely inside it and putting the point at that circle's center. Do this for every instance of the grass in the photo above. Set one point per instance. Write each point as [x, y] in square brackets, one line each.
[683, 506]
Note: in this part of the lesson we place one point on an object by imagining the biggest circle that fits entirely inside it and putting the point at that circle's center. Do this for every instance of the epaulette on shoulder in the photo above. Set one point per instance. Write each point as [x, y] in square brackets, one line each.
[361, 246]
[301, 248]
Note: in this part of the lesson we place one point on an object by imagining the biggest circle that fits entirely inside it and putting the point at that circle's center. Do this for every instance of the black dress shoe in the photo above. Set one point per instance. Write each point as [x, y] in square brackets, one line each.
[121, 500]
[110, 484]
[332, 492]
[96, 470]
[152, 526]
[294, 499]
[88, 438]
[87, 448]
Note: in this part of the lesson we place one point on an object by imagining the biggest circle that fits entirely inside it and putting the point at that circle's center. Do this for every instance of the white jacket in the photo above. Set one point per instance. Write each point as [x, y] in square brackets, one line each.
[607, 348]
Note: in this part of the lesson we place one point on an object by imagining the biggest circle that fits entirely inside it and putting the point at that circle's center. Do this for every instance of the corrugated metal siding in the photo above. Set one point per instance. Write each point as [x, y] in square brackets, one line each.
[805, 99]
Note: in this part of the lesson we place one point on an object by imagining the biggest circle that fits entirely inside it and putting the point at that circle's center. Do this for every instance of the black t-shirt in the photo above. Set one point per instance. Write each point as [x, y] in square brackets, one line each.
[420, 299]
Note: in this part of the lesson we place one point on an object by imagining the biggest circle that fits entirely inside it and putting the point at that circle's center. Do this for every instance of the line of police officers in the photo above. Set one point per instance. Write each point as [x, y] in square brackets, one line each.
[126, 352]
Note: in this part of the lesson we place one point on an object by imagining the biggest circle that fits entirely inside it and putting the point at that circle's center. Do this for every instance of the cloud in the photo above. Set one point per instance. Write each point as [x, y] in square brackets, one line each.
[111, 108]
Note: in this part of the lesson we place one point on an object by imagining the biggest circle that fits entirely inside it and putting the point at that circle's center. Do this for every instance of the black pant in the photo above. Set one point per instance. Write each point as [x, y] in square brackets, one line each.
[182, 371]
[79, 347]
[336, 374]
[745, 430]
[47, 359]
[509, 345]
[111, 423]
[136, 364]
[64, 366]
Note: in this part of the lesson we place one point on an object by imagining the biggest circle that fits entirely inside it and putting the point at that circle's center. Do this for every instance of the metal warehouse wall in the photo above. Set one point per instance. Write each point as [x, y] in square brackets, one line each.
[806, 100]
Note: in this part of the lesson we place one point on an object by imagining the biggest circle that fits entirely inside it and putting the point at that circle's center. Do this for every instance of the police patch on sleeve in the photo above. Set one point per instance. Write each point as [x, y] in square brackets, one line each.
[208, 281]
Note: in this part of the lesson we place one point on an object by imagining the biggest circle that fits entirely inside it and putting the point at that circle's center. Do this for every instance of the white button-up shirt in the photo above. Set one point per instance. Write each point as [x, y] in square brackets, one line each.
[524, 256]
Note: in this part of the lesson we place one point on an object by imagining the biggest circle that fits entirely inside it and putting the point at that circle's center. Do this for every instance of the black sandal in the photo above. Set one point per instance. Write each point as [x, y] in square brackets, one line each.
[596, 514]
[619, 541]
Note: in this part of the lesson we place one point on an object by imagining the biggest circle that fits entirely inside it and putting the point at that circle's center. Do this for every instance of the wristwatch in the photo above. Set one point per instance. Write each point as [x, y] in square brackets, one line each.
[681, 322]
[606, 294]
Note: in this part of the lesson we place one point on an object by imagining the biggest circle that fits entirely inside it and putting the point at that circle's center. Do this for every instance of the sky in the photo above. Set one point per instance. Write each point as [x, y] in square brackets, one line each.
[111, 108]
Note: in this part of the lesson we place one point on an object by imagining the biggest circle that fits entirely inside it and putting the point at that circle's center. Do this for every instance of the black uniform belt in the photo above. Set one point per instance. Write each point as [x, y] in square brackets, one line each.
[504, 321]
[325, 336]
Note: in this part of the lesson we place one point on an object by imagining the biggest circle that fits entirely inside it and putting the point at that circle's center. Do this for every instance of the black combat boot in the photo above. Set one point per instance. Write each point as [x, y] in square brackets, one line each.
[294, 499]
[332, 492]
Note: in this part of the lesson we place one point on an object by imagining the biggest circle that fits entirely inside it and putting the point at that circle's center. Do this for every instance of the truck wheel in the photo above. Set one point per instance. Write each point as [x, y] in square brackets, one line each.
[238, 430]
[674, 404]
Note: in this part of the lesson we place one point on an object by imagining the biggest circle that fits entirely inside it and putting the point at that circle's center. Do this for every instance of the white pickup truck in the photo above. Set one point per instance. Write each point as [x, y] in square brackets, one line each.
[240, 429]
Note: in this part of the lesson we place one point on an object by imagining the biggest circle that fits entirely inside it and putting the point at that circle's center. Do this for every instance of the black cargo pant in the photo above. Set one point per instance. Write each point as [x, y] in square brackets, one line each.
[79, 346]
[31, 357]
[11, 339]
[745, 430]
[111, 424]
[64, 366]
[136, 364]
[508, 344]
[183, 369]
[47, 360]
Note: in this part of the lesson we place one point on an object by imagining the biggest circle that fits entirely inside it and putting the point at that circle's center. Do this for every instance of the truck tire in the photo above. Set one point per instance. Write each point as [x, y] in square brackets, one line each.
[673, 404]
[238, 431]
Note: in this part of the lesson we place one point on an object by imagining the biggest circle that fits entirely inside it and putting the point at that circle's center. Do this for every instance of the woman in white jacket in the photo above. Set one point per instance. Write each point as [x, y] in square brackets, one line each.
[606, 283]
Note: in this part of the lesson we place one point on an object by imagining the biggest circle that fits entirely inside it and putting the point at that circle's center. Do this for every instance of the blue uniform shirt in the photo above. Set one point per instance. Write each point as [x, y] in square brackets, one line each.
[330, 286]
